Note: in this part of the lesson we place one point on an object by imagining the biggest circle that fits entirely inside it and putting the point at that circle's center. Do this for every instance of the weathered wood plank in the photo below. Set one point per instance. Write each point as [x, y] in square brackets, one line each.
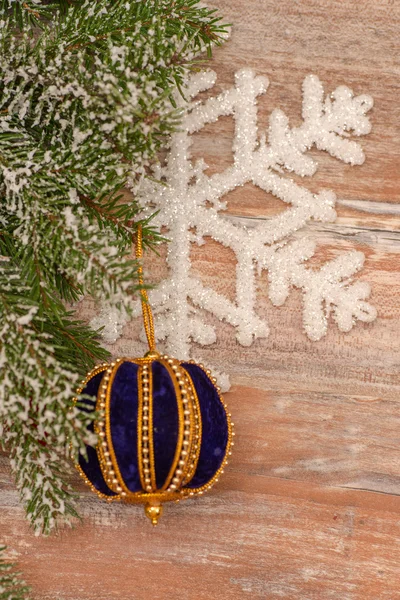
[289, 540]
[309, 506]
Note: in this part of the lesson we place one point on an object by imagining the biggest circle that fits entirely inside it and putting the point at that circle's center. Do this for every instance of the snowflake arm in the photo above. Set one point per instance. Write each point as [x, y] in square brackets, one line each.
[325, 290]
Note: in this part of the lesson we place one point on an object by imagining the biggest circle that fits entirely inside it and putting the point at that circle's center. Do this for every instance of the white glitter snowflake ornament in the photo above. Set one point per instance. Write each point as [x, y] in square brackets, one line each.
[190, 207]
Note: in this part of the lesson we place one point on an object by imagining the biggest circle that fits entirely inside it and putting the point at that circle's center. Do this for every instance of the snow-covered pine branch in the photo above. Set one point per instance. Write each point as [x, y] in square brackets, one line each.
[38, 421]
[86, 99]
[12, 587]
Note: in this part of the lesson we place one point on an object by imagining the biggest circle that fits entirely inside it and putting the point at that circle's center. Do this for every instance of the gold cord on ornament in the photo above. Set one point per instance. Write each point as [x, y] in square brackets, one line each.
[148, 320]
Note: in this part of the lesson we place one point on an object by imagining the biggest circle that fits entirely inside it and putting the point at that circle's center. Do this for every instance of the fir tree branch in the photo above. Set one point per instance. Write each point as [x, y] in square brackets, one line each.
[12, 587]
[37, 417]
[85, 104]
[30, 14]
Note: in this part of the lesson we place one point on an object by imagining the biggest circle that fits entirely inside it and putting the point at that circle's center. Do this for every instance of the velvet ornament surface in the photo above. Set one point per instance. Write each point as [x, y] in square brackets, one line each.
[165, 422]
[214, 425]
[123, 423]
[91, 466]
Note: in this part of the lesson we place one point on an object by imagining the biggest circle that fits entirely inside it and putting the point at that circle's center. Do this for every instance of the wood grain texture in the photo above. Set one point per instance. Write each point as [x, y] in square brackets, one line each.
[309, 508]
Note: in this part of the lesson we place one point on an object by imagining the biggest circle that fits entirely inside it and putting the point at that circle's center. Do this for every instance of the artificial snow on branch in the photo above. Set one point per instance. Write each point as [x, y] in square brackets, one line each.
[87, 94]
[191, 208]
[38, 424]
[12, 587]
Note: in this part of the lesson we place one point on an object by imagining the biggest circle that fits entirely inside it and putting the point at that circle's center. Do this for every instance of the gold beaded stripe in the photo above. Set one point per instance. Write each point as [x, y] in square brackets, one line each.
[140, 427]
[145, 437]
[103, 454]
[181, 452]
[151, 433]
[98, 369]
[184, 462]
[195, 446]
[112, 473]
[93, 488]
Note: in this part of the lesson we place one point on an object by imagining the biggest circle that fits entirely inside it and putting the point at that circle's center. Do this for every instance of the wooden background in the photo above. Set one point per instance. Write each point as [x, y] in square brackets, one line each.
[309, 507]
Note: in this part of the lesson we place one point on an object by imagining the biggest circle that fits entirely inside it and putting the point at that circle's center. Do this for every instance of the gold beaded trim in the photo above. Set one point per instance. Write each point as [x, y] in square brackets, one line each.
[174, 372]
[111, 472]
[151, 433]
[140, 429]
[95, 371]
[145, 497]
[196, 440]
[93, 488]
[145, 441]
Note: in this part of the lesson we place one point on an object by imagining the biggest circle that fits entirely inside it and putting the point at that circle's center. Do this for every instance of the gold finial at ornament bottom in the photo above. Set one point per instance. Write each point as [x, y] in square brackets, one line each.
[153, 512]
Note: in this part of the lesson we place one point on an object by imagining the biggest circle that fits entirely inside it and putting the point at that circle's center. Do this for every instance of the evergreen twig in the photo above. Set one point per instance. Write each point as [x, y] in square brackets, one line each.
[86, 101]
[12, 587]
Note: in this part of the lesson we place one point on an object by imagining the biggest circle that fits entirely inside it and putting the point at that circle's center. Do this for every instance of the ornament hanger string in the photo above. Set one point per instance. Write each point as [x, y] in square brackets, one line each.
[146, 309]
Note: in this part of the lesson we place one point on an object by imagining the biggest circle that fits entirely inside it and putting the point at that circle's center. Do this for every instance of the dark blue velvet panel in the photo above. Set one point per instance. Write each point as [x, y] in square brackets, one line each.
[214, 427]
[91, 467]
[93, 472]
[91, 389]
[165, 422]
[123, 423]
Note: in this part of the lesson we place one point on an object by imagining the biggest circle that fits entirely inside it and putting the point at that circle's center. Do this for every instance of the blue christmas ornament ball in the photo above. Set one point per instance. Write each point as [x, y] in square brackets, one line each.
[163, 429]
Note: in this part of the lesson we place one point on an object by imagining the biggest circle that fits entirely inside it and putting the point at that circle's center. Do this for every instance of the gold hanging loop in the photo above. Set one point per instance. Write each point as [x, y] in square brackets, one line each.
[146, 310]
